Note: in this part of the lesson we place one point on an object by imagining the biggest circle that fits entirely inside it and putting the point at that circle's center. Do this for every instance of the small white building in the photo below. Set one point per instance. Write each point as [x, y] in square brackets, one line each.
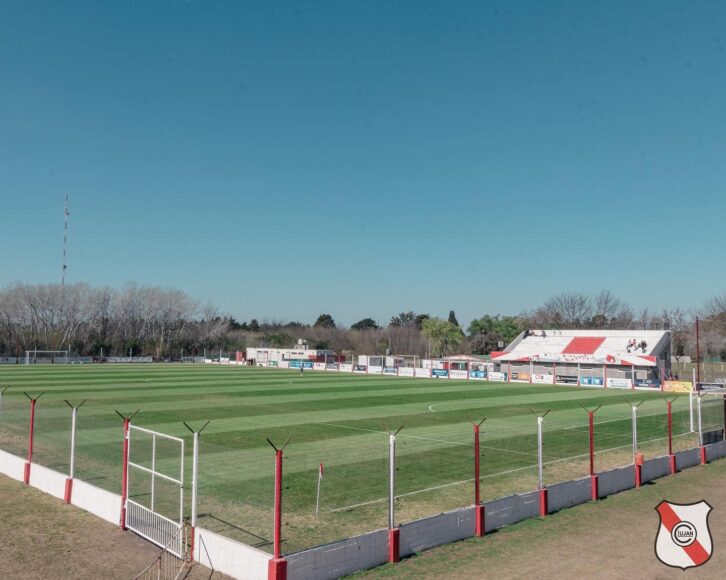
[262, 355]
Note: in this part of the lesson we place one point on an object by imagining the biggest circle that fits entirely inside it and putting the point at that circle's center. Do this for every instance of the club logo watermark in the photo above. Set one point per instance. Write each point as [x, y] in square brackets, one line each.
[684, 538]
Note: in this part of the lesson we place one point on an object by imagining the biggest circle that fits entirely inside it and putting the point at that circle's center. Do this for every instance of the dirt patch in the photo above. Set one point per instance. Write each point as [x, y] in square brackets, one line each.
[611, 538]
[44, 538]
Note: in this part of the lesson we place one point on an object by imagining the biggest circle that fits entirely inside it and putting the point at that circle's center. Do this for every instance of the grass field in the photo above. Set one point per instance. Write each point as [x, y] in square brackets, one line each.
[334, 419]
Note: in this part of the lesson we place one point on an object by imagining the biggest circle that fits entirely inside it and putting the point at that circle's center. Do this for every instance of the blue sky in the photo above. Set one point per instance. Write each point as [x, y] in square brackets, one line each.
[363, 158]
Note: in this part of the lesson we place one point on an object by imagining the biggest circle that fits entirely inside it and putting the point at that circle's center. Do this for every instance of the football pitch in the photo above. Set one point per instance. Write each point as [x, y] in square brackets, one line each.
[338, 420]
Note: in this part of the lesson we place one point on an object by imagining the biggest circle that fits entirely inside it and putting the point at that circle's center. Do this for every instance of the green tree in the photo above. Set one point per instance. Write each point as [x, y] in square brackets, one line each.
[452, 318]
[445, 336]
[365, 324]
[486, 332]
[324, 321]
[254, 325]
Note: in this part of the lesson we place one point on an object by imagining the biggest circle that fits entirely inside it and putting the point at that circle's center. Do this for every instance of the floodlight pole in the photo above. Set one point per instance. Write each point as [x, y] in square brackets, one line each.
[694, 389]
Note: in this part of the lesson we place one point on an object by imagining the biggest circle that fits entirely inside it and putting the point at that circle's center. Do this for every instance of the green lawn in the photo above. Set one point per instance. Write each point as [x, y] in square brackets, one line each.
[335, 419]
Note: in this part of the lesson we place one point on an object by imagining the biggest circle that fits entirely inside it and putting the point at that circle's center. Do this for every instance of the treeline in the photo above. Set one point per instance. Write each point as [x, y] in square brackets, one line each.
[164, 322]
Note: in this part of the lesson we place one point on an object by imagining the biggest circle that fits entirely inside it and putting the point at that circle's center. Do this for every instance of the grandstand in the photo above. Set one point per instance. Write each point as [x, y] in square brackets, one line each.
[610, 358]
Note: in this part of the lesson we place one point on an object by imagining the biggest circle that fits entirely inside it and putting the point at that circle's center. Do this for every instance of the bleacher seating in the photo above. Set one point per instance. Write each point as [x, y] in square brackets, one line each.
[636, 347]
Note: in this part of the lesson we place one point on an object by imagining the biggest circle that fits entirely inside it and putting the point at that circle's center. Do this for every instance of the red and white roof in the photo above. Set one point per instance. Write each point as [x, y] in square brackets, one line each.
[613, 347]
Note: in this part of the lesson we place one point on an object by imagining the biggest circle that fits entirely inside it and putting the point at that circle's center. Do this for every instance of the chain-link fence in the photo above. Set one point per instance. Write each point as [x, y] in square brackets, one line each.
[337, 476]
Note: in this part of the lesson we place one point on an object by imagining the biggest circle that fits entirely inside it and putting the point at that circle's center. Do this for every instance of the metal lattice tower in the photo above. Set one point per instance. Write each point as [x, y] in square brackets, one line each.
[64, 265]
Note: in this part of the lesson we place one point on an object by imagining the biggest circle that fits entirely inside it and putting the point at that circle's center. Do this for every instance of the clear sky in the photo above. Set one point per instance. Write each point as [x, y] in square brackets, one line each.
[362, 158]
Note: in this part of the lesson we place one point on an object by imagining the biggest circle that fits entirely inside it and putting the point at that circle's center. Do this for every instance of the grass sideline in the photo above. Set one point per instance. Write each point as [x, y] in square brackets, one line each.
[339, 420]
[611, 538]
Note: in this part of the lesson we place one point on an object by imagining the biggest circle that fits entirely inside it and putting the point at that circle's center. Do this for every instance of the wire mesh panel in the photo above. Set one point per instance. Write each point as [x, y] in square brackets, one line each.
[236, 486]
[348, 496]
[14, 423]
[99, 447]
[52, 434]
[434, 471]
[712, 418]
[565, 447]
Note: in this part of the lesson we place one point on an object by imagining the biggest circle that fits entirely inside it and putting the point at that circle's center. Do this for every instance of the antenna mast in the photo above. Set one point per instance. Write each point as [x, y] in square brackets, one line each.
[64, 265]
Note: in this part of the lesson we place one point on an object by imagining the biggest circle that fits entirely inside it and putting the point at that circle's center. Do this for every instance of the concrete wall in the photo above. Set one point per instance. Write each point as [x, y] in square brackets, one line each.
[436, 531]
[510, 510]
[687, 458]
[340, 558]
[655, 468]
[12, 465]
[47, 480]
[233, 558]
[569, 493]
[615, 480]
[716, 450]
[102, 503]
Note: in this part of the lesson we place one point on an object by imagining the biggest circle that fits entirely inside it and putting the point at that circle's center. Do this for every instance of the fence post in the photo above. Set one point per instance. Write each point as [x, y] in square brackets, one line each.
[543, 507]
[125, 468]
[277, 567]
[195, 482]
[593, 475]
[26, 471]
[393, 531]
[72, 467]
[671, 456]
[701, 446]
[637, 458]
[478, 506]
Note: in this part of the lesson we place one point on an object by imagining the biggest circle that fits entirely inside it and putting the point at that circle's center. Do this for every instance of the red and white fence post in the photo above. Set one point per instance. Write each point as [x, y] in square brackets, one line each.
[195, 482]
[637, 458]
[543, 503]
[125, 468]
[478, 506]
[593, 476]
[277, 567]
[28, 463]
[393, 531]
[671, 456]
[701, 446]
[72, 467]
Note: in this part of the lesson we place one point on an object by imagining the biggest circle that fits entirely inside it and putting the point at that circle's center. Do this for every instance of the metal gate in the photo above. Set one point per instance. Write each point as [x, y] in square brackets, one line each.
[156, 459]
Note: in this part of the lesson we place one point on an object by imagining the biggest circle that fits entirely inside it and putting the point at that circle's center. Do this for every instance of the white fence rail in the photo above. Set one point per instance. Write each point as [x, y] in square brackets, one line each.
[154, 527]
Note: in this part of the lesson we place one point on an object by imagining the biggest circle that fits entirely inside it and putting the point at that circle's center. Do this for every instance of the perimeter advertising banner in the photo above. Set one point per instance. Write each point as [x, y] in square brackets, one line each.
[594, 381]
[345, 368]
[390, 371]
[618, 383]
[677, 386]
[478, 375]
[497, 376]
[439, 373]
[458, 374]
[542, 379]
[406, 371]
